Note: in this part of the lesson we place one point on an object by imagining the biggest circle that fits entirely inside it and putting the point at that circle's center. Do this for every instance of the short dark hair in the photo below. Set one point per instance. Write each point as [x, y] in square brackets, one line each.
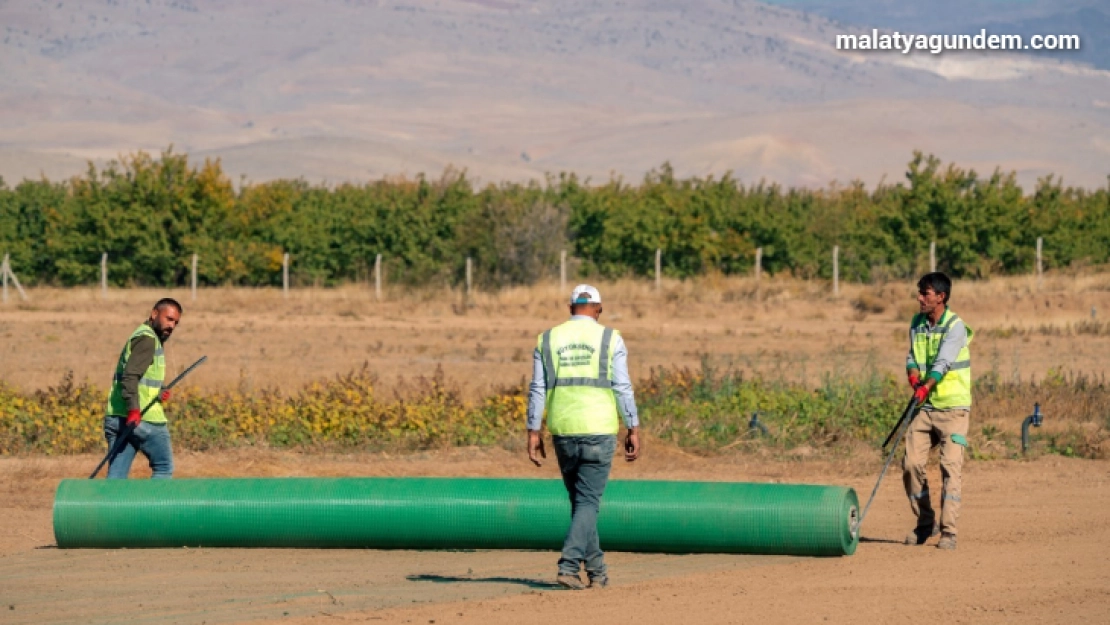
[937, 281]
[577, 308]
[166, 302]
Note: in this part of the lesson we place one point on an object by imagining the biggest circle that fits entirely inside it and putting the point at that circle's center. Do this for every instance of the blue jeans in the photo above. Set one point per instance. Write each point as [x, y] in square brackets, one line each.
[152, 439]
[585, 462]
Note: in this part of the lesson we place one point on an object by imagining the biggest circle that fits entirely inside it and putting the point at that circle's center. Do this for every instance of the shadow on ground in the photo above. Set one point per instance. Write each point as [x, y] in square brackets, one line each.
[887, 541]
[448, 579]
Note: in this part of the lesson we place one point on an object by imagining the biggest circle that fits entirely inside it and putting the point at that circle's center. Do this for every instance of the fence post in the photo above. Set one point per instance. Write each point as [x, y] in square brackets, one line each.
[932, 256]
[194, 282]
[658, 268]
[285, 275]
[104, 275]
[836, 271]
[758, 272]
[6, 271]
[563, 270]
[469, 277]
[15, 280]
[1040, 265]
[378, 278]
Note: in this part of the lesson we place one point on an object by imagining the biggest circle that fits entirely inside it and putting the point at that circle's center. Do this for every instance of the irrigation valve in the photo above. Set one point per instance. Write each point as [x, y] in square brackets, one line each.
[756, 427]
[1035, 420]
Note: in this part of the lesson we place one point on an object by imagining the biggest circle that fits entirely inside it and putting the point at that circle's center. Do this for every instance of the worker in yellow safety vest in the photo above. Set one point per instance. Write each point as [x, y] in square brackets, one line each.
[939, 370]
[137, 383]
[580, 377]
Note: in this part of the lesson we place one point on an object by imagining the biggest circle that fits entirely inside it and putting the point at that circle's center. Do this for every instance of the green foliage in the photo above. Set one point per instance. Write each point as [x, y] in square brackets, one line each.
[347, 411]
[708, 410]
[700, 410]
[514, 235]
[151, 214]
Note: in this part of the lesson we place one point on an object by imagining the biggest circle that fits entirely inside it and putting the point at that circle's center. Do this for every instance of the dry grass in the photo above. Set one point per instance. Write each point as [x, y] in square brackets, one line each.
[788, 331]
[257, 339]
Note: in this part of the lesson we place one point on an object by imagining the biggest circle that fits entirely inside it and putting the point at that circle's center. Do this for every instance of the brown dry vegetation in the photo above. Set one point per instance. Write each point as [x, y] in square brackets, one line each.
[786, 331]
[794, 329]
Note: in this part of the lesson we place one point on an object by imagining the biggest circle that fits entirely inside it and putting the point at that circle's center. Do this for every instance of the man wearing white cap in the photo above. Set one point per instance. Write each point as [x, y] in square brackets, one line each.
[580, 375]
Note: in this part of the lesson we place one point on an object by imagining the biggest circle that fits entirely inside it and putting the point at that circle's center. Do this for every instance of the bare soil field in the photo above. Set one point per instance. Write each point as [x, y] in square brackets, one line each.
[257, 339]
[1032, 550]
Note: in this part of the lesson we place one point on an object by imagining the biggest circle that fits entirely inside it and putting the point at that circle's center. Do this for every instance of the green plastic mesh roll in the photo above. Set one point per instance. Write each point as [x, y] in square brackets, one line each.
[451, 513]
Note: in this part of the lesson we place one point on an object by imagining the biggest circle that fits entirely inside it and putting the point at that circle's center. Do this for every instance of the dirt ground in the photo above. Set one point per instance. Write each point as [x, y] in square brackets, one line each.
[256, 339]
[1032, 550]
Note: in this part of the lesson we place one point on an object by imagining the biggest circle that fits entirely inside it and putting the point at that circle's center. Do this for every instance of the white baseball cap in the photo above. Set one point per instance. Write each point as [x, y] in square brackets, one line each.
[585, 294]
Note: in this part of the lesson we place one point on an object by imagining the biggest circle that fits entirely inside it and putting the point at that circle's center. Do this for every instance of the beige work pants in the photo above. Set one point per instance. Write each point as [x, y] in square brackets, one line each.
[932, 428]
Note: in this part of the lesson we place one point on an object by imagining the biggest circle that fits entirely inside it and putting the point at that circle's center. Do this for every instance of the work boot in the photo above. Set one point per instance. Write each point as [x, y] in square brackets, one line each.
[920, 534]
[571, 581]
[947, 542]
[600, 582]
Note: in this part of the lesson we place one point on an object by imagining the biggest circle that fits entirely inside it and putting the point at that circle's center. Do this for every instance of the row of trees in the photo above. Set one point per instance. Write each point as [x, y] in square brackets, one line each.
[151, 214]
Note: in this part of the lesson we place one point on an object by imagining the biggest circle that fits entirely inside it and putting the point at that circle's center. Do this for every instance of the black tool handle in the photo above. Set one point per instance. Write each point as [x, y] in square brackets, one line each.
[125, 433]
[905, 414]
[900, 429]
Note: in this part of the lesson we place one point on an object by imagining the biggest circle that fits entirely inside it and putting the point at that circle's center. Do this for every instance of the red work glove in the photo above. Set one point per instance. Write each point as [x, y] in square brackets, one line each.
[165, 396]
[134, 417]
[914, 378]
[921, 394]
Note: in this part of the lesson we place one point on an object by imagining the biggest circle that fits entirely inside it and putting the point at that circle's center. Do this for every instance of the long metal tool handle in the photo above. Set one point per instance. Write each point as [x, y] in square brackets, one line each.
[180, 377]
[125, 432]
[894, 430]
[900, 429]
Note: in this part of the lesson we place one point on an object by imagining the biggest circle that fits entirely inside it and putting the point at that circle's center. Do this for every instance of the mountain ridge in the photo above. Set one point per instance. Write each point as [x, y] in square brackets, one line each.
[514, 90]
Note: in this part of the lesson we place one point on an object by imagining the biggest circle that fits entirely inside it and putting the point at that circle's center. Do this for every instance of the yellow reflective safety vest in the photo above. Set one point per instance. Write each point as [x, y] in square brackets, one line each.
[150, 385]
[578, 365]
[954, 389]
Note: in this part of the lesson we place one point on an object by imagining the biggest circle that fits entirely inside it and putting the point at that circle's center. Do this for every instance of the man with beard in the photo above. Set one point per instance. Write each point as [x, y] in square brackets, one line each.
[137, 384]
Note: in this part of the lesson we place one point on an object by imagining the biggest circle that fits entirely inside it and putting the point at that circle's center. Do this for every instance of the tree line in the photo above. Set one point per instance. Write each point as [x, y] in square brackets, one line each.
[151, 214]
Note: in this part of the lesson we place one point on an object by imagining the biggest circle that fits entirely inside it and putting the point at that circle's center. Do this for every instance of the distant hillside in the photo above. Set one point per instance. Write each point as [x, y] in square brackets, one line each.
[508, 89]
[1090, 19]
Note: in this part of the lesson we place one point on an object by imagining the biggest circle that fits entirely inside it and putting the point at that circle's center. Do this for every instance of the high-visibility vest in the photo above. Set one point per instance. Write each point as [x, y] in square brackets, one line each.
[954, 389]
[150, 385]
[578, 365]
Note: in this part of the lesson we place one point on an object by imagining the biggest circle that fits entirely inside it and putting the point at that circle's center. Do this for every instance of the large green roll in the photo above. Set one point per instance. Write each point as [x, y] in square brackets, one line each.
[448, 513]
